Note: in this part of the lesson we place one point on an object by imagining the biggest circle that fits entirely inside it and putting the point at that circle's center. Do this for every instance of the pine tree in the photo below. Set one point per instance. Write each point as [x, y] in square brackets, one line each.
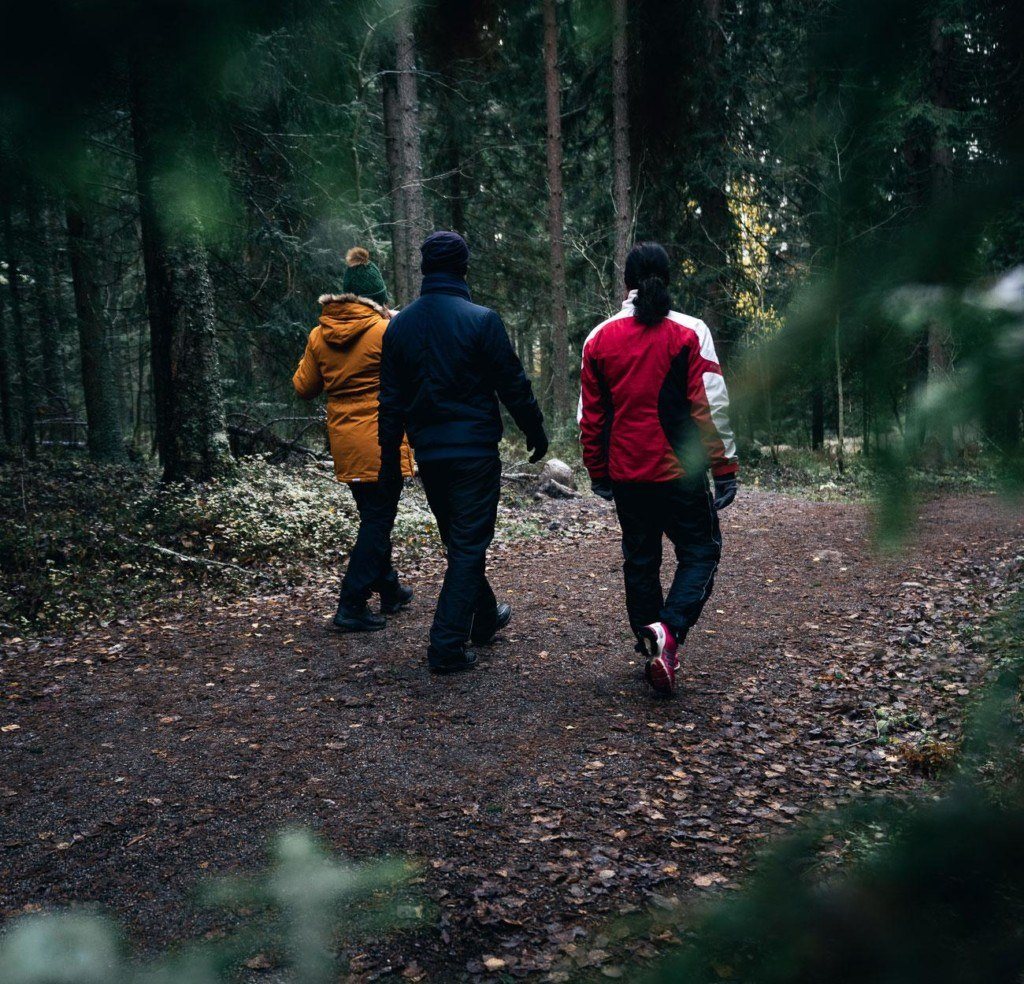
[620, 152]
[191, 431]
[104, 437]
[559, 374]
[28, 403]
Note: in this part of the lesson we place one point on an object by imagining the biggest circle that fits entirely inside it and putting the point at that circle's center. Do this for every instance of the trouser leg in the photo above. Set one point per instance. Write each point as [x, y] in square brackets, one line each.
[638, 506]
[485, 615]
[387, 582]
[463, 494]
[691, 523]
[369, 566]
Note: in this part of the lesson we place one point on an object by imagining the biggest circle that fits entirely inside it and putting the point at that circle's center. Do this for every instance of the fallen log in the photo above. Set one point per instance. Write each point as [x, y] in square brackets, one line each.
[270, 440]
[555, 490]
[184, 558]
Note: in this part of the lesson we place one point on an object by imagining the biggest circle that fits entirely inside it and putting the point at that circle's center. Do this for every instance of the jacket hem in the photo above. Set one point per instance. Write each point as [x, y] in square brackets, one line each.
[457, 451]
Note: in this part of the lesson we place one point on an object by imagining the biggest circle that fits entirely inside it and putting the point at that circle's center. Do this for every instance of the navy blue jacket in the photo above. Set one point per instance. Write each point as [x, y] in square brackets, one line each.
[445, 364]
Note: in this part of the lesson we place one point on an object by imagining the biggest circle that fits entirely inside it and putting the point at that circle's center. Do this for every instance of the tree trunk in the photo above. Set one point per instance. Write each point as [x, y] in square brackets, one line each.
[940, 167]
[63, 303]
[26, 382]
[53, 382]
[716, 222]
[140, 393]
[840, 405]
[8, 411]
[939, 439]
[411, 162]
[453, 162]
[399, 221]
[559, 315]
[190, 427]
[866, 397]
[102, 414]
[620, 153]
[817, 414]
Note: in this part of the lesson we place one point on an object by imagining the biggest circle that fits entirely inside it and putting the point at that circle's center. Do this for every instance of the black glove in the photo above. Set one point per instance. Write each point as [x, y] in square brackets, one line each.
[602, 488]
[538, 444]
[390, 466]
[725, 491]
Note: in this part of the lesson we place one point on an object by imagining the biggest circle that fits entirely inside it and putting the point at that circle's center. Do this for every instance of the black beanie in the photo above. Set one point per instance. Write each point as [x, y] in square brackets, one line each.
[445, 252]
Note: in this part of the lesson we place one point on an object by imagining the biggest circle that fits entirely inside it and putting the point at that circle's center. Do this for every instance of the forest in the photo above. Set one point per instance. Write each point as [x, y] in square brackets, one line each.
[182, 187]
[839, 186]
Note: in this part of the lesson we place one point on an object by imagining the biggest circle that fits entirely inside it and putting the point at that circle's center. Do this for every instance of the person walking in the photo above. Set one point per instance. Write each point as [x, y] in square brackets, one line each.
[342, 359]
[446, 364]
[653, 417]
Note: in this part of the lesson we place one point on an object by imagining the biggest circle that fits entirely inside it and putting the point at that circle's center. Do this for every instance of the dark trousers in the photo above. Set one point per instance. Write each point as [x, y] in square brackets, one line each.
[463, 495]
[683, 512]
[369, 566]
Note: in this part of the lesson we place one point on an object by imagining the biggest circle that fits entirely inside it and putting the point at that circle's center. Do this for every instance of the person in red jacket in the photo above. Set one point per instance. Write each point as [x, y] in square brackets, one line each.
[653, 417]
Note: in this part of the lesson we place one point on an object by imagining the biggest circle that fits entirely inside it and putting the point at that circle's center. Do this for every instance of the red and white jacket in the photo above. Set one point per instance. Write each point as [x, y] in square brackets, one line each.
[649, 397]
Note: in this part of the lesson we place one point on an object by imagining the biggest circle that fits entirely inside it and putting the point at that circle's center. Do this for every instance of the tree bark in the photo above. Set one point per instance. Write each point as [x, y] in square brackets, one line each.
[453, 163]
[53, 381]
[556, 232]
[8, 411]
[410, 156]
[716, 221]
[840, 401]
[26, 383]
[940, 167]
[817, 414]
[399, 221]
[620, 153]
[190, 426]
[102, 414]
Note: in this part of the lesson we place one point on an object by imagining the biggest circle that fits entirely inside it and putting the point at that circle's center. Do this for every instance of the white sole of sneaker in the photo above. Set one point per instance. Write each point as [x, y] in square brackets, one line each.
[658, 676]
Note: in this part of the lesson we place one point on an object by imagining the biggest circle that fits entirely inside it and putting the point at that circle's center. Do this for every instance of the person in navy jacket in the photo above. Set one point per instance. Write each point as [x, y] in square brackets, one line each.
[653, 418]
[445, 364]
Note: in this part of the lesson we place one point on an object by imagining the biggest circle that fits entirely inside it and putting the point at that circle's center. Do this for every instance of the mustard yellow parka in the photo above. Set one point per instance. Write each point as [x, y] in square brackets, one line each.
[342, 360]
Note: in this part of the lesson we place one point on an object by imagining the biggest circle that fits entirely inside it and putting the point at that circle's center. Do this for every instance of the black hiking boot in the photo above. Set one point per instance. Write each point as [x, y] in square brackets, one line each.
[480, 637]
[357, 620]
[392, 602]
[458, 665]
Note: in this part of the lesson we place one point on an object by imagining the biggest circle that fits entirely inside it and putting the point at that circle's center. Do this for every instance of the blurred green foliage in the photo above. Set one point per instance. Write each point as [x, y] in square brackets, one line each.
[307, 904]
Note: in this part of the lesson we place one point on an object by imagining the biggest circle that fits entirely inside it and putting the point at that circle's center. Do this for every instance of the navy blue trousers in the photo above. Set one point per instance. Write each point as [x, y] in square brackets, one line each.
[369, 566]
[682, 511]
[463, 496]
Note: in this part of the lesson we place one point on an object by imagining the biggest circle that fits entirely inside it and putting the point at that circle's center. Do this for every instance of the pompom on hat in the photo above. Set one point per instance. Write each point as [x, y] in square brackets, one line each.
[362, 276]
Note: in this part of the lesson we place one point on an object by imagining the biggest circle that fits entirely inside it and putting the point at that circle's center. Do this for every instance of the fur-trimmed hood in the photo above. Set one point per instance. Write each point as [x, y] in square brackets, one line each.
[346, 316]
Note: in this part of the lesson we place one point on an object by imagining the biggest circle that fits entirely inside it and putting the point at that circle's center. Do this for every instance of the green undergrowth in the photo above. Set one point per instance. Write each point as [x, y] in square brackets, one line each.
[83, 543]
[816, 475]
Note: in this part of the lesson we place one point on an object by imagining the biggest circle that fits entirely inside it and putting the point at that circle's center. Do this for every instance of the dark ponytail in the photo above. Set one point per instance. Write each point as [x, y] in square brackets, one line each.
[647, 272]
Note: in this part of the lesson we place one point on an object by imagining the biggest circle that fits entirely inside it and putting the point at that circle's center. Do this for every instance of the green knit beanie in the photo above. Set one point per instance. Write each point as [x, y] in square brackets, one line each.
[362, 277]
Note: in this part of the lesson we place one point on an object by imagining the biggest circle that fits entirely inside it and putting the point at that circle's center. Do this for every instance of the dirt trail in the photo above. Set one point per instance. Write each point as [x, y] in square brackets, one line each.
[545, 792]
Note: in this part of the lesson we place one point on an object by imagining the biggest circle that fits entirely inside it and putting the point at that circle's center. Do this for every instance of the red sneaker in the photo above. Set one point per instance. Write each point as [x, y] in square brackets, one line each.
[659, 643]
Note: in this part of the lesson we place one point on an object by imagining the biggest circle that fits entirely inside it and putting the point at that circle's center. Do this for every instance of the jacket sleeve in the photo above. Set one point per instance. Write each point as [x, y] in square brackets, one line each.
[594, 416]
[391, 408]
[709, 405]
[307, 380]
[509, 378]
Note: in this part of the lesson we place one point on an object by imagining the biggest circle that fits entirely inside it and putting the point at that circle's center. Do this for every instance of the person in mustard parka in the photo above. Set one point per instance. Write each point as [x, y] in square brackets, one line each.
[342, 360]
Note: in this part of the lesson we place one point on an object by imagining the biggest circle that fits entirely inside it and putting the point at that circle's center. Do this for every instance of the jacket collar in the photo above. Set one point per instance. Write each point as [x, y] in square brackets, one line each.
[445, 283]
[628, 303]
